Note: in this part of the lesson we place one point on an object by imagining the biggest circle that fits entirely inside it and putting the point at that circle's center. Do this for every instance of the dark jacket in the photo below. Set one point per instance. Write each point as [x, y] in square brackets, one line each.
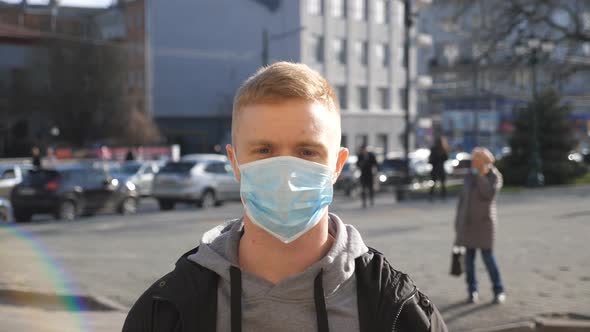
[186, 300]
[367, 163]
[437, 158]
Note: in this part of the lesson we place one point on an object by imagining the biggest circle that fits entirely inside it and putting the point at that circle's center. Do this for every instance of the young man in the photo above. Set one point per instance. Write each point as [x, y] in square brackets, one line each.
[287, 264]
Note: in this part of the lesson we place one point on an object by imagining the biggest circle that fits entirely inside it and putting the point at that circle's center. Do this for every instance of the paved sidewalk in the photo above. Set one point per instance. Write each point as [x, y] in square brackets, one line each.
[543, 252]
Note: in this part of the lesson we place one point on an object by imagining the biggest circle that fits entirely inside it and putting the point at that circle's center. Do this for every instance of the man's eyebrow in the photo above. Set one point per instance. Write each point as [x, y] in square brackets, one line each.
[259, 142]
[311, 144]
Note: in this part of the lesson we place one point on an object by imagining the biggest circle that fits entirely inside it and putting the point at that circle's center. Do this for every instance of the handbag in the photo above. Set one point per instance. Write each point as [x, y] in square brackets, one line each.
[457, 261]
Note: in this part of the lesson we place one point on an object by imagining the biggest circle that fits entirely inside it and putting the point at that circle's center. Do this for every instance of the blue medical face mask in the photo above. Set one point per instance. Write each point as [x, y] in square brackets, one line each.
[474, 171]
[286, 196]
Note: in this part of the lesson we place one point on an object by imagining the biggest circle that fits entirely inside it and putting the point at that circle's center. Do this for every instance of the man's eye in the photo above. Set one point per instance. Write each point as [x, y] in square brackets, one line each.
[263, 150]
[308, 153]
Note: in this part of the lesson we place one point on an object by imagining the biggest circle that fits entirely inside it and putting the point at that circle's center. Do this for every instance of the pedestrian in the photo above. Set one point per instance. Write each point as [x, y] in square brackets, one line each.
[476, 221]
[367, 163]
[439, 153]
[36, 157]
[129, 156]
[51, 159]
[286, 264]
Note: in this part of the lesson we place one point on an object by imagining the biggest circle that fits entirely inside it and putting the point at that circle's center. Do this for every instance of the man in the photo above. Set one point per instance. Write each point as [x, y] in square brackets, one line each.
[36, 157]
[367, 163]
[287, 264]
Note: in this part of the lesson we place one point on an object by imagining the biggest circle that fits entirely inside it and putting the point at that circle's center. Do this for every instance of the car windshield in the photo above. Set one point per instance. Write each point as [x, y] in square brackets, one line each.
[128, 169]
[182, 167]
[392, 164]
[39, 177]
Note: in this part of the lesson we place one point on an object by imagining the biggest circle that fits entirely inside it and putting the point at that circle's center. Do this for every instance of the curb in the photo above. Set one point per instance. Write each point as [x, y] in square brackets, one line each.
[543, 325]
[515, 327]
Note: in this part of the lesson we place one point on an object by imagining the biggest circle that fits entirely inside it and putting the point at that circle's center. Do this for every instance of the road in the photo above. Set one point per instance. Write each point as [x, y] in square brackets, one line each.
[543, 251]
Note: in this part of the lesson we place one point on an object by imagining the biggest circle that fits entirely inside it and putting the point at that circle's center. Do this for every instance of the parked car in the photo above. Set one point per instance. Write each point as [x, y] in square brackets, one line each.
[10, 176]
[461, 164]
[69, 191]
[205, 180]
[349, 180]
[392, 169]
[5, 210]
[139, 173]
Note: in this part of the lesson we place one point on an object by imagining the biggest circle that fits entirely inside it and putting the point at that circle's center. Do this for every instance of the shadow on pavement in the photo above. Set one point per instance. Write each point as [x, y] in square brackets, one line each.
[471, 309]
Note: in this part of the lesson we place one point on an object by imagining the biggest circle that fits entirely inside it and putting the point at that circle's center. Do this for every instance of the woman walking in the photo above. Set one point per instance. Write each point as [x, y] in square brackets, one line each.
[476, 221]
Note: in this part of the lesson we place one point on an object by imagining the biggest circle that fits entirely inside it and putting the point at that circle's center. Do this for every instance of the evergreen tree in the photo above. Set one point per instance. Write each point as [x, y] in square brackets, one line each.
[556, 141]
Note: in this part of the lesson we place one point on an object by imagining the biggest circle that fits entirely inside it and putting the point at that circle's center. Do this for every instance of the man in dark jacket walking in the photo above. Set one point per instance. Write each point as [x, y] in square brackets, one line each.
[287, 264]
[367, 163]
[439, 153]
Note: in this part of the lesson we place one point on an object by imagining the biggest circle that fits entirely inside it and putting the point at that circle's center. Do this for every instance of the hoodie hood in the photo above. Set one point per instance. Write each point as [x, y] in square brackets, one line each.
[218, 251]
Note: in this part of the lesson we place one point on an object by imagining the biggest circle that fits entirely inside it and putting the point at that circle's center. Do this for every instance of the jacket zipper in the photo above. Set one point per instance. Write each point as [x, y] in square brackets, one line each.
[401, 307]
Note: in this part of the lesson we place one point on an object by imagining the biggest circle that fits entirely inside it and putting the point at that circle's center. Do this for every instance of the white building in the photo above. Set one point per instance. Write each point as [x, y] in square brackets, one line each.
[202, 50]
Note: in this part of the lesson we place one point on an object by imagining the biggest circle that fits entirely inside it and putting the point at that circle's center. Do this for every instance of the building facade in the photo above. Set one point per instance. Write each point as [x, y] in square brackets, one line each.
[474, 102]
[198, 63]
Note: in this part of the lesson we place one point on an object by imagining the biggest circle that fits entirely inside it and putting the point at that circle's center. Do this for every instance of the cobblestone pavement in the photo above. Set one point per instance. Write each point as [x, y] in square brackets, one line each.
[543, 251]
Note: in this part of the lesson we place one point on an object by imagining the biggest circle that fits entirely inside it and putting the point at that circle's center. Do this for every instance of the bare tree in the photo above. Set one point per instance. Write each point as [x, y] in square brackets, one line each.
[504, 23]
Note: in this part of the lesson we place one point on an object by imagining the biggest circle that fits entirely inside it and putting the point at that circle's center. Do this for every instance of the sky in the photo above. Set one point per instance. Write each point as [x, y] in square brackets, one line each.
[69, 3]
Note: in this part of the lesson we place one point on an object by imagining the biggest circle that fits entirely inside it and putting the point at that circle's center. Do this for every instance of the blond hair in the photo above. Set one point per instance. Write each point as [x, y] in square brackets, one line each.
[282, 81]
[485, 154]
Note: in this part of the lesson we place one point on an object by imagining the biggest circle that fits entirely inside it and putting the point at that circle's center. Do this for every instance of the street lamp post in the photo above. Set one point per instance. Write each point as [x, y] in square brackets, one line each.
[535, 48]
[408, 23]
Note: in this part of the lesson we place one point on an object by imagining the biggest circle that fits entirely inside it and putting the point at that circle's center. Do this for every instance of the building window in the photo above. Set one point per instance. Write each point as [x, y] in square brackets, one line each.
[402, 56]
[315, 7]
[340, 50]
[382, 140]
[361, 140]
[317, 47]
[361, 10]
[342, 97]
[339, 8]
[361, 49]
[381, 11]
[344, 141]
[384, 98]
[402, 98]
[382, 52]
[363, 98]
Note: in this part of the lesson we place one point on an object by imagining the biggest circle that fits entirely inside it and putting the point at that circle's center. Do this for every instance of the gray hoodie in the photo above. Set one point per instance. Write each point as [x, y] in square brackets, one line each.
[288, 305]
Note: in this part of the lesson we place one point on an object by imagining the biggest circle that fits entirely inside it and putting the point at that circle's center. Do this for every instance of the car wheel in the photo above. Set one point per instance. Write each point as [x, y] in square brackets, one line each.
[166, 205]
[128, 206]
[207, 199]
[3, 214]
[22, 216]
[67, 211]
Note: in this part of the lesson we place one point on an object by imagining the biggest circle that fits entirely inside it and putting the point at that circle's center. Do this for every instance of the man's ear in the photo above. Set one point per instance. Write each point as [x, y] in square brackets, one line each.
[342, 157]
[232, 158]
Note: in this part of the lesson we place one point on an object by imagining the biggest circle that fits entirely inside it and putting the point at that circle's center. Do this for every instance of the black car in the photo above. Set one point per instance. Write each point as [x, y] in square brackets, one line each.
[391, 172]
[69, 191]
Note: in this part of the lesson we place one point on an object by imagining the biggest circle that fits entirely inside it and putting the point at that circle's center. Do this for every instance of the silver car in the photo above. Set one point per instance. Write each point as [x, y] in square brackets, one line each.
[203, 179]
[10, 176]
[140, 173]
